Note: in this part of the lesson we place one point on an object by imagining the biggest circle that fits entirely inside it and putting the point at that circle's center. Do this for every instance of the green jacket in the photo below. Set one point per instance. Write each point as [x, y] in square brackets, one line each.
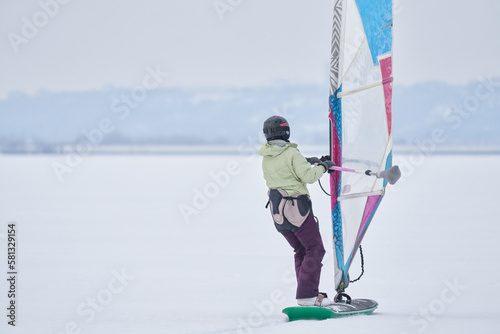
[284, 167]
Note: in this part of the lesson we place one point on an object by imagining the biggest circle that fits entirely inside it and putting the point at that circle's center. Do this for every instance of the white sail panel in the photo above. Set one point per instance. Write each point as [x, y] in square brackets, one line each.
[353, 35]
[364, 139]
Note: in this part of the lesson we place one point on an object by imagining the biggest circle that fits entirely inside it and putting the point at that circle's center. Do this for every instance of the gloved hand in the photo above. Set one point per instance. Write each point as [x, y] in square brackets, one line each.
[325, 158]
[313, 160]
[327, 164]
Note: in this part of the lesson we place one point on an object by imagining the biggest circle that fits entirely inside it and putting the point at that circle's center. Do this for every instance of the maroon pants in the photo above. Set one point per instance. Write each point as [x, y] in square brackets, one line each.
[309, 252]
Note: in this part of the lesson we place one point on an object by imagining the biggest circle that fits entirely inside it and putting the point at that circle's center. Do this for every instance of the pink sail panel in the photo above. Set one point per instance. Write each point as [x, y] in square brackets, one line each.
[370, 207]
[336, 158]
[386, 69]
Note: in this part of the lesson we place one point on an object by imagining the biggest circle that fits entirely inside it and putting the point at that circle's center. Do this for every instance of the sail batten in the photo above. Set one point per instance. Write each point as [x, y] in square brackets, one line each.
[360, 89]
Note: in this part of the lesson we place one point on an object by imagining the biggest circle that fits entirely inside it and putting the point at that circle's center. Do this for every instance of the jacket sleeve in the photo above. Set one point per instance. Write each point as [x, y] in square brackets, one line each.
[303, 169]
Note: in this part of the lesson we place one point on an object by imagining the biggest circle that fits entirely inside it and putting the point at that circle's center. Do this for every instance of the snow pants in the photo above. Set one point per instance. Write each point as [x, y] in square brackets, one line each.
[309, 252]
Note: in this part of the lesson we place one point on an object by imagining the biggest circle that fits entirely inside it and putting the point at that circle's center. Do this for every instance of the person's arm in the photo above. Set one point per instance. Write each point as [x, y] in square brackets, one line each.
[303, 169]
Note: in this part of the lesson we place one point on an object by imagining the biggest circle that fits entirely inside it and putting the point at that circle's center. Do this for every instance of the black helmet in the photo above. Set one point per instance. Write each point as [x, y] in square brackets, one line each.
[276, 127]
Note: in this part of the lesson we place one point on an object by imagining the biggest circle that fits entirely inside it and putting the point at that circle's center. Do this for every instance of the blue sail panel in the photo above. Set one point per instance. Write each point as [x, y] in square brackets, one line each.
[376, 16]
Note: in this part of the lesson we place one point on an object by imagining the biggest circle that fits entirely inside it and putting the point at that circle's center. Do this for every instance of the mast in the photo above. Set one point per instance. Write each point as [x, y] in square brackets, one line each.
[335, 128]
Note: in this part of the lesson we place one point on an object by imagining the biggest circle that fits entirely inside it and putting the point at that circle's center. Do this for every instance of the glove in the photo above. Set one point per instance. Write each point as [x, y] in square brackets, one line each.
[325, 158]
[313, 160]
[327, 164]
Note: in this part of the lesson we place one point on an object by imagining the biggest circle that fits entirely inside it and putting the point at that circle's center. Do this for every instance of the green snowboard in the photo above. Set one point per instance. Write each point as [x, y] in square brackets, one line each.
[342, 309]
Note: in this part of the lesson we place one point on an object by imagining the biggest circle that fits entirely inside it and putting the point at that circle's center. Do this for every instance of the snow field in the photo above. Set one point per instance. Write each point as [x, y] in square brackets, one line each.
[183, 244]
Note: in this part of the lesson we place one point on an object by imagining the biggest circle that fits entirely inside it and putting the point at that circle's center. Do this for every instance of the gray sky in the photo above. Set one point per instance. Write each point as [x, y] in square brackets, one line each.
[91, 44]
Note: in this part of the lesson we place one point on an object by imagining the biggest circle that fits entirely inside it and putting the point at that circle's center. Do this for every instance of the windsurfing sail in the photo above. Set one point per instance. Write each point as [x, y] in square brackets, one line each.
[360, 121]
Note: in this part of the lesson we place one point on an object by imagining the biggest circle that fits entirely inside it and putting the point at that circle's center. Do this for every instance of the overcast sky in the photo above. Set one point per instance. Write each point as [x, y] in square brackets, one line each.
[93, 44]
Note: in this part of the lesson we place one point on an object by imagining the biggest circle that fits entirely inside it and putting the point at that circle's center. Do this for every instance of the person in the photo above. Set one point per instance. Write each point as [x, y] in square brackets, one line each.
[286, 173]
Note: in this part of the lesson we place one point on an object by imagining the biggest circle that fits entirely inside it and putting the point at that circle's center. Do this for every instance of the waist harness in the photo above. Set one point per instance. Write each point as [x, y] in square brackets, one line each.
[288, 212]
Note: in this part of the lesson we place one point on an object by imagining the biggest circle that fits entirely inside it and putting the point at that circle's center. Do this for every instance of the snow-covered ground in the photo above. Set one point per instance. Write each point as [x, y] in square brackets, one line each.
[183, 244]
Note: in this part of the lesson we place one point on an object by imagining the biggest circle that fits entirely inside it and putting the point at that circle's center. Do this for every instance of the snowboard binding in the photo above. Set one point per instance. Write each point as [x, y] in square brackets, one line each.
[339, 298]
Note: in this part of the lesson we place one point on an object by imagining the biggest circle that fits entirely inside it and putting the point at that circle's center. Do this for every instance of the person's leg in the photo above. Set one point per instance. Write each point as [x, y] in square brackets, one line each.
[310, 268]
[299, 250]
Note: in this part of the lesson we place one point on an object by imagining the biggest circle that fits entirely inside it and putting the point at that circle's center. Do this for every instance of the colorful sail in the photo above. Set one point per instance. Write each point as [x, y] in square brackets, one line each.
[360, 119]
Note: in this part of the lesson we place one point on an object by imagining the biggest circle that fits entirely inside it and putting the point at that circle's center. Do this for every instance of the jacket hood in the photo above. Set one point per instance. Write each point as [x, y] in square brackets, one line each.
[275, 148]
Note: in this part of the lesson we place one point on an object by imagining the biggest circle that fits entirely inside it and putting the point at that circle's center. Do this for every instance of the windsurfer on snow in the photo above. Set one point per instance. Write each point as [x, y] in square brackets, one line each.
[286, 173]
